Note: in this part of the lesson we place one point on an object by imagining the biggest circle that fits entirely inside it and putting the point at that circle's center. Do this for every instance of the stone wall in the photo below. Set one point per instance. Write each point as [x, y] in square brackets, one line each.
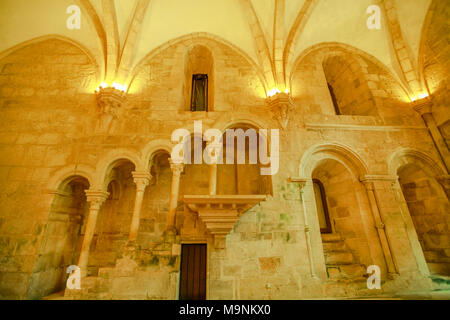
[47, 135]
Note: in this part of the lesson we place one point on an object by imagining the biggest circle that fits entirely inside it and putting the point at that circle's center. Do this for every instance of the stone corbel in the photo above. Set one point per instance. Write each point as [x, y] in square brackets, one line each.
[281, 105]
[301, 182]
[109, 101]
[423, 106]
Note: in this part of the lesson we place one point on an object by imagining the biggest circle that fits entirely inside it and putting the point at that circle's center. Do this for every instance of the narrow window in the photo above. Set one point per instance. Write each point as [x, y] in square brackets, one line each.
[199, 97]
[322, 208]
[333, 97]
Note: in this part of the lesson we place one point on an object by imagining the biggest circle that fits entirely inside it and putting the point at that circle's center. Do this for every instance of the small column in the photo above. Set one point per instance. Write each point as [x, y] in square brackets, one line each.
[141, 179]
[380, 226]
[213, 167]
[312, 228]
[423, 107]
[95, 199]
[177, 168]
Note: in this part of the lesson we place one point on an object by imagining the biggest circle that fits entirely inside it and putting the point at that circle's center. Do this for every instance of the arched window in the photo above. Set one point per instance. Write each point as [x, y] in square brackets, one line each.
[322, 208]
[348, 86]
[198, 88]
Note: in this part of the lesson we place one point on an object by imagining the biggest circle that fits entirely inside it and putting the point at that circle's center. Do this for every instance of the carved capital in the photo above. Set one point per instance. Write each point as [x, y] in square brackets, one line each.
[301, 182]
[281, 104]
[96, 198]
[176, 167]
[110, 100]
[369, 179]
[423, 106]
[141, 179]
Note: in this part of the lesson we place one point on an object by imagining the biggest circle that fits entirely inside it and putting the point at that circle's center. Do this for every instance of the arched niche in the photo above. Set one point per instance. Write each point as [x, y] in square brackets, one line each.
[243, 177]
[114, 218]
[345, 244]
[348, 86]
[429, 208]
[155, 205]
[62, 237]
[198, 61]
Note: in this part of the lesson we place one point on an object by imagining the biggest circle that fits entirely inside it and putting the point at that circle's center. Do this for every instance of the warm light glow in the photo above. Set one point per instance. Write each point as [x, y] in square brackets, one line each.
[420, 96]
[273, 92]
[118, 86]
[286, 91]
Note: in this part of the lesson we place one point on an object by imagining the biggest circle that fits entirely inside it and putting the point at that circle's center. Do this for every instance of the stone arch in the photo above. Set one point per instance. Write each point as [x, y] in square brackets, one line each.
[198, 38]
[36, 40]
[65, 173]
[224, 123]
[342, 153]
[427, 206]
[403, 156]
[114, 217]
[153, 148]
[262, 184]
[434, 62]
[198, 60]
[60, 244]
[378, 86]
[350, 243]
[108, 161]
[326, 46]
[346, 79]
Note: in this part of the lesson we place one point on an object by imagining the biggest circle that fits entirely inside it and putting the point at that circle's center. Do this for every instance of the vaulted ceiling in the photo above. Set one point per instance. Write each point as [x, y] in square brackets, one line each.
[273, 33]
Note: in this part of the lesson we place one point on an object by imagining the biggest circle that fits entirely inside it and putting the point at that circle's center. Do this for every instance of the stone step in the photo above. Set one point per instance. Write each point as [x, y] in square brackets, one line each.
[331, 237]
[442, 269]
[437, 256]
[339, 288]
[338, 246]
[349, 271]
[338, 258]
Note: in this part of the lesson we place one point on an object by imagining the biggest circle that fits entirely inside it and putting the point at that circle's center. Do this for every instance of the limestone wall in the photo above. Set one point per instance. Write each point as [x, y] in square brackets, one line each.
[47, 134]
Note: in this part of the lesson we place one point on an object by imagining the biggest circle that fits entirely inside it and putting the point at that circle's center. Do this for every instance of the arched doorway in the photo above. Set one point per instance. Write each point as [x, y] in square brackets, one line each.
[63, 234]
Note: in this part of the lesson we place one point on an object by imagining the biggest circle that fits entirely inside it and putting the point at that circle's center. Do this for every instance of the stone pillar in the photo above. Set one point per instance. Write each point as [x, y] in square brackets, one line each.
[312, 229]
[423, 107]
[410, 229]
[95, 199]
[177, 168]
[141, 179]
[379, 225]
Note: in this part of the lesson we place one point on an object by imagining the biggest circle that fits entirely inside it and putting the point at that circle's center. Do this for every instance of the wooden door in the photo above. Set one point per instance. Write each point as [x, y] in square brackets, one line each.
[193, 272]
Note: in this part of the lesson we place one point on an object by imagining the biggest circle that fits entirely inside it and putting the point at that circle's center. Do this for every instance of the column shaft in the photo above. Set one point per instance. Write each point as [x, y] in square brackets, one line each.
[174, 191]
[96, 199]
[380, 228]
[141, 179]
